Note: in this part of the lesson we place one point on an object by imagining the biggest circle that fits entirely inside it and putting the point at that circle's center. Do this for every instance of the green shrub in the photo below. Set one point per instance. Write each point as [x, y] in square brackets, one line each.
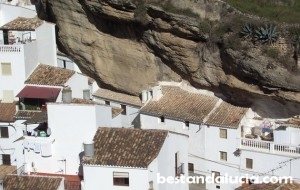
[271, 52]
[205, 26]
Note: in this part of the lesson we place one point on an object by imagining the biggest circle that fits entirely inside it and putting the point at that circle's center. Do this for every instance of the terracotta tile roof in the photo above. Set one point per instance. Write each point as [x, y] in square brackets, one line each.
[25, 114]
[292, 122]
[49, 75]
[181, 105]
[82, 101]
[6, 169]
[39, 117]
[226, 115]
[22, 23]
[126, 147]
[271, 186]
[7, 112]
[118, 97]
[32, 116]
[13, 182]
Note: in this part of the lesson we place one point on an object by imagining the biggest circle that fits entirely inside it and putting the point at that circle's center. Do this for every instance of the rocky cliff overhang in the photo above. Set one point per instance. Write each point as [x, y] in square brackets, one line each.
[129, 46]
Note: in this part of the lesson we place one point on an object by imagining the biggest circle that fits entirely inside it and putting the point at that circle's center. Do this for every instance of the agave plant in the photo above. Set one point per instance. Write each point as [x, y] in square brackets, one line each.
[266, 34]
[247, 30]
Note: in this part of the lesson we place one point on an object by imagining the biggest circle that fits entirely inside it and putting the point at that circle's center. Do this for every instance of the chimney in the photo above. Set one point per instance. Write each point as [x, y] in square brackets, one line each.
[156, 93]
[86, 94]
[67, 95]
[144, 96]
[88, 148]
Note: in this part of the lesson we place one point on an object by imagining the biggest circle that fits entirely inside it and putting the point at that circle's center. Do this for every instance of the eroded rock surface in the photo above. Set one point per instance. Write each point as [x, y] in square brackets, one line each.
[129, 46]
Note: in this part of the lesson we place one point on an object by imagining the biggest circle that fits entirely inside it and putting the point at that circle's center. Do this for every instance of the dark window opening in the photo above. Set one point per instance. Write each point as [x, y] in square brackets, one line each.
[162, 119]
[187, 123]
[4, 132]
[191, 167]
[121, 178]
[107, 102]
[249, 163]
[6, 159]
[124, 109]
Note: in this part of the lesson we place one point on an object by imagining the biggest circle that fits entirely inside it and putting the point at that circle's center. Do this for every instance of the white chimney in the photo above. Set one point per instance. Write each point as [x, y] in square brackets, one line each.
[67, 95]
[156, 93]
[86, 94]
[144, 96]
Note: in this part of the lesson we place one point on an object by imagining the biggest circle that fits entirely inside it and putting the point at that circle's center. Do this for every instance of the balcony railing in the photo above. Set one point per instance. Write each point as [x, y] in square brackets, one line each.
[266, 146]
[11, 48]
[180, 169]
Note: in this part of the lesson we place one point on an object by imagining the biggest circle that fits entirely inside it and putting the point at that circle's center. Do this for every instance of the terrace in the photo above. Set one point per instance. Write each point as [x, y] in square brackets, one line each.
[278, 137]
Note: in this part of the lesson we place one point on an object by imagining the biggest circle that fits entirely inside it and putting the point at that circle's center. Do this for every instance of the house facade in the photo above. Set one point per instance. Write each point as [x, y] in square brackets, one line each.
[26, 42]
[221, 141]
[11, 153]
[130, 105]
[78, 120]
[134, 158]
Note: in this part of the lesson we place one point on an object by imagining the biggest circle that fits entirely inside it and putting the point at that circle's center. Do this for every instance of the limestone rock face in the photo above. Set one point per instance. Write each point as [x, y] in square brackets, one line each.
[130, 45]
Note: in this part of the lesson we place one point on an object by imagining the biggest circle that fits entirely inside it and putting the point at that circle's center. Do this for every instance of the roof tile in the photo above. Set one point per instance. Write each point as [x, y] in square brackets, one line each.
[126, 147]
[7, 112]
[180, 104]
[227, 115]
[118, 97]
[13, 182]
[22, 23]
[49, 75]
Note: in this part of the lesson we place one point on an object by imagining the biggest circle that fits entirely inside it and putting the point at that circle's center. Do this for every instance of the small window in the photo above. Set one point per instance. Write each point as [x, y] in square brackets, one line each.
[187, 123]
[223, 156]
[216, 176]
[191, 167]
[107, 102]
[124, 109]
[121, 178]
[6, 159]
[162, 119]
[4, 132]
[6, 69]
[249, 163]
[223, 133]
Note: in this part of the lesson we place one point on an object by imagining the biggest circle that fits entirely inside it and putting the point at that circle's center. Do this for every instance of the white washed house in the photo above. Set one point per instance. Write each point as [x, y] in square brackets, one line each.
[70, 125]
[27, 42]
[130, 105]
[46, 83]
[223, 138]
[11, 151]
[126, 158]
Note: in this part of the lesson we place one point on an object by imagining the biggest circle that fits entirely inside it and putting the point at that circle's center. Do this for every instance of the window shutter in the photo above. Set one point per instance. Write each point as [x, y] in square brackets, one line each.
[121, 175]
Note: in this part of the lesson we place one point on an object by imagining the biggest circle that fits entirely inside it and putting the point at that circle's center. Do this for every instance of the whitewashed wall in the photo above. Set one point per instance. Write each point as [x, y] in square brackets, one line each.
[78, 83]
[166, 160]
[14, 82]
[31, 57]
[71, 125]
[101, 177]
[8, 146]
[46, 44]
[132, 113]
